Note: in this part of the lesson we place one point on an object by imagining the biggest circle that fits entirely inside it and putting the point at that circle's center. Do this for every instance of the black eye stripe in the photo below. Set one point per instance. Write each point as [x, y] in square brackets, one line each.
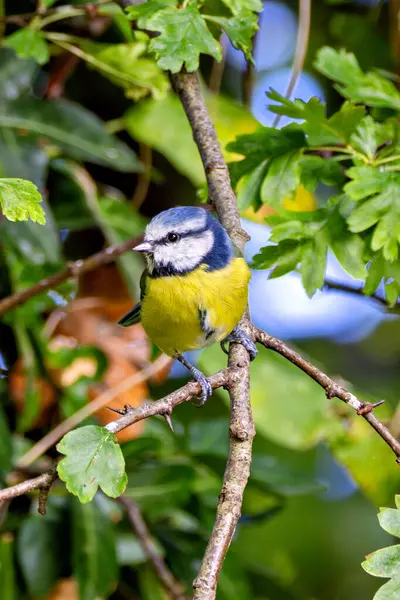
[185, 234]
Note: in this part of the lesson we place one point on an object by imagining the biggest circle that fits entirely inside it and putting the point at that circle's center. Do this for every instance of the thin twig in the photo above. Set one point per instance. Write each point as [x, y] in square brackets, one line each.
[303, 35]
[217, 72]
[241, 429]
[74, 269]
[91, 408]
[358, 291]
[332, 389]
[173, 587]
[37, 483]
[225, 378]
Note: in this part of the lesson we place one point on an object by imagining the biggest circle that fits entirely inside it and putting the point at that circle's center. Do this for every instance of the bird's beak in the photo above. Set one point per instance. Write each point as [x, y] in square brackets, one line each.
[143, 247]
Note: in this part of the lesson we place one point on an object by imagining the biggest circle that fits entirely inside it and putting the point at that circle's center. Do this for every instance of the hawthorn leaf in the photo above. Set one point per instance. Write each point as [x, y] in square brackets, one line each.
[93, 459]
[384, 562]
[29, 43]
[240, 29]
[20, 200]
[368, 88]
[238, 6]
[389, 520]
[184, 34]
[313, 264]
[282, 179]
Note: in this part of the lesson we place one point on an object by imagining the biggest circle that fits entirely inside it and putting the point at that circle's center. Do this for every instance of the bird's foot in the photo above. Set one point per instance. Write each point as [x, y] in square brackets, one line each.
[240, 337]
[206, 389]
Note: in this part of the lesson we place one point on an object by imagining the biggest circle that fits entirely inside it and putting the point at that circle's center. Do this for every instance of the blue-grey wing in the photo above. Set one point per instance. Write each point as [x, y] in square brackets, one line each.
[133, 316]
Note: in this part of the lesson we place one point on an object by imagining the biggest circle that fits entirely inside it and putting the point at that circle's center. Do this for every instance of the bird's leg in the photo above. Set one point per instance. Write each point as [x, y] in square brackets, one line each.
[206, 389]
[240, 337]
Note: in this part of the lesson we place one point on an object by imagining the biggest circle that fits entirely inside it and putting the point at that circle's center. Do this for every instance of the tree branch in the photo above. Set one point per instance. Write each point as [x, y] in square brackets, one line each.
[241, 429]
[332, 389]
[358, 291]
[173, 587]
[44, 481]
[74, 269]
[164, 406]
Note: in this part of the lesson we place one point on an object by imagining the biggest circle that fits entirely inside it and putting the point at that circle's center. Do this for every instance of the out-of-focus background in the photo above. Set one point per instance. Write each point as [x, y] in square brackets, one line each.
[319, 473]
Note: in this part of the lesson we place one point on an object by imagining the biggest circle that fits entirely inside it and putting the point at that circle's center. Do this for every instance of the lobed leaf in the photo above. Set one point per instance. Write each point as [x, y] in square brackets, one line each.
[184, 34]
[29, 43]
[20, 200]
[93, 459]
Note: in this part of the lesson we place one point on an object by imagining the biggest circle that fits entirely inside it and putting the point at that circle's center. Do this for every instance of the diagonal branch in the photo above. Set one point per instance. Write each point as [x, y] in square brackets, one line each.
[241, 429]
[74, 269]
[163, 407]
[332, 389]
[173, 587]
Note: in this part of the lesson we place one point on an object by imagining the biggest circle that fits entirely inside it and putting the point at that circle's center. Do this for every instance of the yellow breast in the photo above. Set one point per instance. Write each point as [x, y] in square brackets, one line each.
[172, 306]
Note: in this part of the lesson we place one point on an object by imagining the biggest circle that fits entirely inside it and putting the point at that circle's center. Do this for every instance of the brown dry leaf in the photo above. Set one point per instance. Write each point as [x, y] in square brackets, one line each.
[65, 589]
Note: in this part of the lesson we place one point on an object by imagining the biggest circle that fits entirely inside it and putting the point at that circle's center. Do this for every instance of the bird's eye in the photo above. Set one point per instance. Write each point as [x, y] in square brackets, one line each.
[173, 237]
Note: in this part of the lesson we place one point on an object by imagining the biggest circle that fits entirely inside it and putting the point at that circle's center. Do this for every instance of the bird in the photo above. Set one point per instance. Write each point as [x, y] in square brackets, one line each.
[194, 289]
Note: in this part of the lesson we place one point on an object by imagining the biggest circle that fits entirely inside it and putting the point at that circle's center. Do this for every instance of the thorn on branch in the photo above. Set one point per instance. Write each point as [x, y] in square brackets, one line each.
[368, 407]
[122, 411]
[167, 417]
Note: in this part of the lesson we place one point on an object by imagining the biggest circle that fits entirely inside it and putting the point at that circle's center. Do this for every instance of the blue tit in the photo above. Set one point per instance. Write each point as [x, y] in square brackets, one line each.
[194, 289]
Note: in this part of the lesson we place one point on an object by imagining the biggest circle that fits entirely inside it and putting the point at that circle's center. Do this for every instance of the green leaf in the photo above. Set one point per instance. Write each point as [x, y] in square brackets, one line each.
[8, 585]
[282, 179]
[389, 591]
[389, 520]
[370, 135]
[264, 143]
[349, 248]
[40, 554]
[365, 182]
[315, 170]
[279, 413]
[248, 191]
[384, 562]
[313, 264]
[392, 292]
[123, 64]
[77, 131]
[371, 211]
[240, 29]
[164, 126]
[375, 274]
[367, 88]
[184, 34]
[320, 130]
[238, 6]
[20, 200]
[93, 552]
[93, 459]
[28, 43]
[378, 477]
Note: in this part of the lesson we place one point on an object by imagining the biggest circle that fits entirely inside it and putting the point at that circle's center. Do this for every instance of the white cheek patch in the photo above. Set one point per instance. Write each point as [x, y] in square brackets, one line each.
[185, 254]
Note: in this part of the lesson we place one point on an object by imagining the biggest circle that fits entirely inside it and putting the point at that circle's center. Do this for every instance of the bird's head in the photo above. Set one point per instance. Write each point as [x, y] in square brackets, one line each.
[179, 240]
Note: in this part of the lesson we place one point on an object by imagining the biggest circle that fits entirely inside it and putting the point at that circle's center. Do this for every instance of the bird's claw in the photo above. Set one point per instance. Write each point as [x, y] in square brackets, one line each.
[206, 389]
[240, 337]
